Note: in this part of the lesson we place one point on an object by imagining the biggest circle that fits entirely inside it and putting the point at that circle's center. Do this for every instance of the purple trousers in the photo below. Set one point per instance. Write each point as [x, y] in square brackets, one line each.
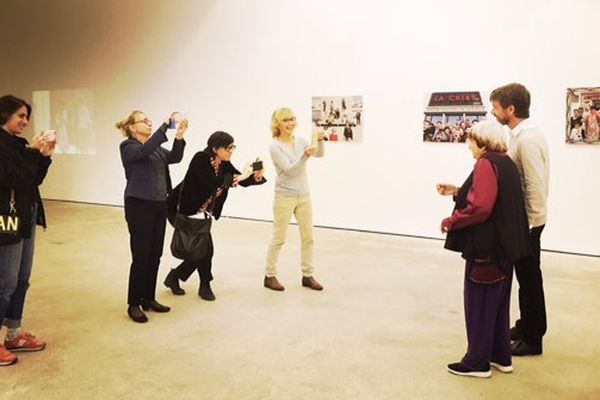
[487, 319]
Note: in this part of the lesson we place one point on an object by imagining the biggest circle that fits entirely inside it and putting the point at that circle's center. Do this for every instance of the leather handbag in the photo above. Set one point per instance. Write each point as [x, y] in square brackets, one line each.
[191, 239]
[10, 223]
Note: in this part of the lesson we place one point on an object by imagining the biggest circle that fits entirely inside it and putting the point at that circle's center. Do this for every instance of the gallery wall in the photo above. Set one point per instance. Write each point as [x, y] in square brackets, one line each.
[228, 64]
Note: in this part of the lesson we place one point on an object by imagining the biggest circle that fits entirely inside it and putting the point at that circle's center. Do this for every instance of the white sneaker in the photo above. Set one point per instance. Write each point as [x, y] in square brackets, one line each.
[507, 369]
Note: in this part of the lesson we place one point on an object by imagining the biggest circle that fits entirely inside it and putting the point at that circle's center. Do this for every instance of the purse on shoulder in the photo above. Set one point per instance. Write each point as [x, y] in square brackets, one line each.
[485, 271]
[191, 239]
[10, 223]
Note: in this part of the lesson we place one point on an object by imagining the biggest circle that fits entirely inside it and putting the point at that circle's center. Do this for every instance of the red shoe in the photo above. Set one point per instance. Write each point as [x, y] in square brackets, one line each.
[24, 342]
[6, 357]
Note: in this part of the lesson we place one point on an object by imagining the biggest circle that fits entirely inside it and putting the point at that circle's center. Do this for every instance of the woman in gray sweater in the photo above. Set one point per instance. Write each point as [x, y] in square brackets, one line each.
[292, 196]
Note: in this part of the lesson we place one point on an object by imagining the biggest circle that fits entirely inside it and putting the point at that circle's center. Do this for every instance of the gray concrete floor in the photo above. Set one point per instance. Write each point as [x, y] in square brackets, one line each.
[388, 322]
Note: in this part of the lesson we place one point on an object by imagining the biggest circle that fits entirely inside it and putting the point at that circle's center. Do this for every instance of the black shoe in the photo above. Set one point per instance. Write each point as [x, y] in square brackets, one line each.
[463, 370]
[172, 282]
[136, 314]
[520, 348]
[206, 292]
[155, 306]
[514, 334]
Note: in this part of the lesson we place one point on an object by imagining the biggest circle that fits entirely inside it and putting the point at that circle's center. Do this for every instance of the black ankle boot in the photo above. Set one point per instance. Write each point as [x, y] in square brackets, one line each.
[155, 306]
[136, 314]
[205, 292]
[172, 282]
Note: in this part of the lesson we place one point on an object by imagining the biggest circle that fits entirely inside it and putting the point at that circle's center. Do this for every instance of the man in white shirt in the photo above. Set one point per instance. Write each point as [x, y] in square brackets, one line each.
[529, 151]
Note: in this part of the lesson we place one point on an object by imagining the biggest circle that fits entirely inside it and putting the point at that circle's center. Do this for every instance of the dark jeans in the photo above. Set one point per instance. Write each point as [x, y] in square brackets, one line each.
[487, 319]
[203, 266]
[16, 262]
[146, 221]
[532, 323]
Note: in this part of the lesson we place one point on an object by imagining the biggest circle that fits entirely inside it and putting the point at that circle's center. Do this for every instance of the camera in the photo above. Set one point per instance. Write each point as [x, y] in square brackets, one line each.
[257, 165]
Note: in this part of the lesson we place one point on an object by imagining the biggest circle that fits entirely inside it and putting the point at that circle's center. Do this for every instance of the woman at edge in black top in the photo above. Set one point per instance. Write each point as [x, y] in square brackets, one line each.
[148, 184]
[205, 188]
[23, 167]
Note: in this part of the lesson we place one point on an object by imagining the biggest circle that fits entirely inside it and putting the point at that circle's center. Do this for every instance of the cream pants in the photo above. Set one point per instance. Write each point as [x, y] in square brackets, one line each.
[283, 208]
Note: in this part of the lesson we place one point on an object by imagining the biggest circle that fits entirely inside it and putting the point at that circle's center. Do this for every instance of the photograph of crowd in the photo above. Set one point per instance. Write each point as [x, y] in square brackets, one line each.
[583, 116]
[449, 116]
[339, 116]
[71, 114]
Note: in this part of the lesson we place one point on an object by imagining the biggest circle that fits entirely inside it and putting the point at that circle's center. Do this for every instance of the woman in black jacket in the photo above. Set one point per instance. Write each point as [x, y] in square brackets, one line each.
[205, 188]
[23, 167]
[148, 184]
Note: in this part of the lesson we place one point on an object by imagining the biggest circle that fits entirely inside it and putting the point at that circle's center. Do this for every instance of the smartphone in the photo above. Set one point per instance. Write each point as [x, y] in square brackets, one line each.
[257, 166]
[49, 134]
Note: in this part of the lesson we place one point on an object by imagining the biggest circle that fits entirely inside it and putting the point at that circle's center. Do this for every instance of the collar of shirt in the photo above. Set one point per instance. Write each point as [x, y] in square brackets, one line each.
[526, 123]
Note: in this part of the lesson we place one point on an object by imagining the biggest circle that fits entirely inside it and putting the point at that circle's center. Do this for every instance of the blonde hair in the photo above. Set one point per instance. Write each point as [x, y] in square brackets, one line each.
[278, 116]
[488, 135]
[124, 124]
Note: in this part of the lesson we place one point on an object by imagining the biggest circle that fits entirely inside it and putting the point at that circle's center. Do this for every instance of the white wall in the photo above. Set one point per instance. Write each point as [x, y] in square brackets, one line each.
[230, 63]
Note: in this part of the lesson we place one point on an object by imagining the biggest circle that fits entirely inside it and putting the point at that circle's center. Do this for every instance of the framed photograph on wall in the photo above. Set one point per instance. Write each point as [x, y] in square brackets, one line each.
[339, 116]
[449, 116]
[583, 116]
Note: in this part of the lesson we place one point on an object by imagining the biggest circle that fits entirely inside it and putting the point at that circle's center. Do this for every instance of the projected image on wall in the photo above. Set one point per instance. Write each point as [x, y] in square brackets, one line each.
[339, 116]
[583, 116]
[449, 116]
[71, 114]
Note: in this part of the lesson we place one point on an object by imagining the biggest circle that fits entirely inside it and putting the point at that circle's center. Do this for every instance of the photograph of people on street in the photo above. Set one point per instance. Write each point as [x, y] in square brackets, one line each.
[583, 116]
[449, 116]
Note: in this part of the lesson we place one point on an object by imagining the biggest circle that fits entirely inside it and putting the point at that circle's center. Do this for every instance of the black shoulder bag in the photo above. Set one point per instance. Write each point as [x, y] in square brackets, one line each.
[191, 238]
[9, 223]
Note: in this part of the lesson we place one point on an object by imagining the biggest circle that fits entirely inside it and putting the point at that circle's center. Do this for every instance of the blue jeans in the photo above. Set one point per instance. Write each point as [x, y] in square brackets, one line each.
[16, 261]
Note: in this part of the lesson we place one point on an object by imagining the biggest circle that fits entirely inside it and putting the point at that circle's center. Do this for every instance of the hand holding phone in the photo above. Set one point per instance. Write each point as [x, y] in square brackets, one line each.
[49, 135]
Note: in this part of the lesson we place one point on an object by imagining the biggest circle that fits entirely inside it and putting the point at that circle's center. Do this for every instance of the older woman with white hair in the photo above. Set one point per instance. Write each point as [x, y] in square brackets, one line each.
[489, 227]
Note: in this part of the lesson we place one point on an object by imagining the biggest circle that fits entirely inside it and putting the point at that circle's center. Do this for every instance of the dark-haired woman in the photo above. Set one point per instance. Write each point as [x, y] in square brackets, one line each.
[148, 183]
[23, 167]
[205, 188]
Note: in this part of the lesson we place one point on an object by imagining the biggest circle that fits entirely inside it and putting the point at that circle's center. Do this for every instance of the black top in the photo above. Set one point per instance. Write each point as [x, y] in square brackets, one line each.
[505, 234]
[22, 170]
[146, 165]
[201, 183]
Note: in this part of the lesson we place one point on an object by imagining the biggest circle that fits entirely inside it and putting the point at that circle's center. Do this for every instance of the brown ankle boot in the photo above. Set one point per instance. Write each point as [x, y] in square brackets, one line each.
[311, 282]
[272, 283]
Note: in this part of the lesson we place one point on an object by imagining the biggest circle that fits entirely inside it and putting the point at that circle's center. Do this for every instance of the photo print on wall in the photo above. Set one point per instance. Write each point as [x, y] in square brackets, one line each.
[449, 116]
[339, 116]
[583, 117]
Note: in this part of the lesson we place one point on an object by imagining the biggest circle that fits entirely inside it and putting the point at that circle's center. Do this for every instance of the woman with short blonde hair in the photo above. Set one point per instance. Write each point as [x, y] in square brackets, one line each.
[292, 196]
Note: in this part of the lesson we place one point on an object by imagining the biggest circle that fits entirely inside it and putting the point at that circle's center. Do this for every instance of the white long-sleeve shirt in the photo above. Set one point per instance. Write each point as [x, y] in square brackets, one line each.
[528, 149]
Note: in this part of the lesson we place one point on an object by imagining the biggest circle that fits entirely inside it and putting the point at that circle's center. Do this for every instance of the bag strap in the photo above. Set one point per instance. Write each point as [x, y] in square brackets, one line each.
[12, 202]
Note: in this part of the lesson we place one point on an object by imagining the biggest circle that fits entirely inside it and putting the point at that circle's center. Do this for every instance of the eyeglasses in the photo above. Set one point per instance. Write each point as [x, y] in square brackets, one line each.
[145, 120]
[230, 148]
